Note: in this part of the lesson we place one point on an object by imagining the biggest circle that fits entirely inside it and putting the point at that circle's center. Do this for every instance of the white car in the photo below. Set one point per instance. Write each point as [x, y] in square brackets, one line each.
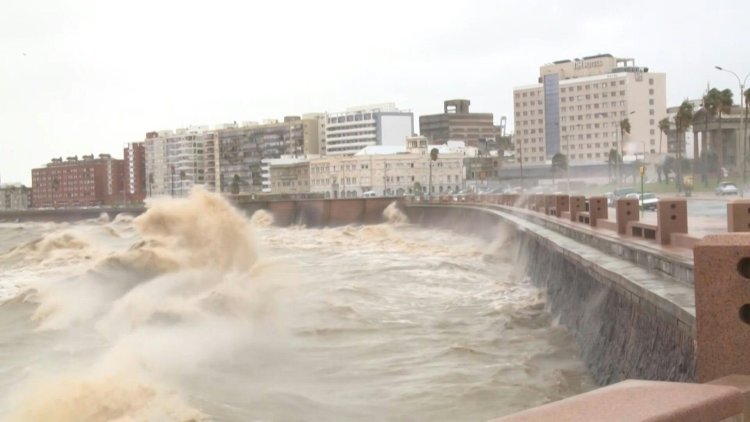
[647, 202]
[726, 188]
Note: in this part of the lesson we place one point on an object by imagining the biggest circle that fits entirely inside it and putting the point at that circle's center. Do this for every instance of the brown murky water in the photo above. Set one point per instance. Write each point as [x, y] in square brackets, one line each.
[193, 312]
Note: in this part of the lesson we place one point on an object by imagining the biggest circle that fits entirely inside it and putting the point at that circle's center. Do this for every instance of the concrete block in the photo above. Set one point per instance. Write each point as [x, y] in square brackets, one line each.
[671, 217]
[577, 204]
[738, 215]
[539, 203]
[562, 204]
[636, 400]
[598, 209]
[549, 203]
[626, 210]
[722, 305]
[741, 382]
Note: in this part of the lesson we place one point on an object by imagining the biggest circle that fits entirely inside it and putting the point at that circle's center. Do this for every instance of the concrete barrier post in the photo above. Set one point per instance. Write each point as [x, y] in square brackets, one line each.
[738, 215]
[549, 204]
[626, 210]
[597, 209]
[562, 204]
[722, 305]
[671, 217]
[577, 204]
[539, 202]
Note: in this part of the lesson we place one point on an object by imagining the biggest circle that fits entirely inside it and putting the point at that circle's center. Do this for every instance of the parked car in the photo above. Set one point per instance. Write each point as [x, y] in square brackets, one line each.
[647, 201]
[726, 188]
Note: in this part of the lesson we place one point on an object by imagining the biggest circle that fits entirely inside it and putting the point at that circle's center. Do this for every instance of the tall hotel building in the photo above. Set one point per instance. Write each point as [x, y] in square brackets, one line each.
[348, 132]
[577, 106]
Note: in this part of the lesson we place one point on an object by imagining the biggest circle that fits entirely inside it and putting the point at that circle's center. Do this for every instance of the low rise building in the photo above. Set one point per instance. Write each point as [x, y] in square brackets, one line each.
[388, 171]
[75, 182]
[14, 197]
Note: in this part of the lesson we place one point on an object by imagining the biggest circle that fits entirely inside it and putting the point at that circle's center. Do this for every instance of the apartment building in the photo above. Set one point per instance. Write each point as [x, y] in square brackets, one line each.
[241, 149]
[134, 168]
[577, 106]
[75, 182]
[457, 123]
[180, 159]
[14, 197]
[348, 132]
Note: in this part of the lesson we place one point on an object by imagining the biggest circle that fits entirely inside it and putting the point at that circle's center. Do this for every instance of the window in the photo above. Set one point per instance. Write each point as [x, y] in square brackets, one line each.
[650, 92]
[650, 81]
[651, 101]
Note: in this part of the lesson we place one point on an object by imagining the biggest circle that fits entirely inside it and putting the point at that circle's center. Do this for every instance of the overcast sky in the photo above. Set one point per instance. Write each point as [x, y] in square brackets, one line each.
[80, 77]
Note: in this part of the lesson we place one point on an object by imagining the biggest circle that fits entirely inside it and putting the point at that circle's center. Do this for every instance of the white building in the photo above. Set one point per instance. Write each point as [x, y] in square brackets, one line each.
[178, 160]
[14, 197]
[358, 127]
[577, 106]
[388, 171]
[267, 163]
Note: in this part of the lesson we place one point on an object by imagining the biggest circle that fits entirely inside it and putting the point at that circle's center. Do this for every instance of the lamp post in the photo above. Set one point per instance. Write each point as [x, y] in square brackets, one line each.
[743, 149]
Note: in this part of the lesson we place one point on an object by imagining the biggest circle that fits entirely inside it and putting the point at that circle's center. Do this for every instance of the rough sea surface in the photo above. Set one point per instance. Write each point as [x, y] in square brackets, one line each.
[194, 312]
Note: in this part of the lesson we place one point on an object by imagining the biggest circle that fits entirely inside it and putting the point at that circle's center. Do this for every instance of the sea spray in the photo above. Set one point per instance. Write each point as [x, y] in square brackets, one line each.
[394, 215]
[188, 293]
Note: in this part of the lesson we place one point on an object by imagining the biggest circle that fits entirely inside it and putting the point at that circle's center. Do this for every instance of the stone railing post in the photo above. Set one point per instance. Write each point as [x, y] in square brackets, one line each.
[577, 204]
[562, 204]
[722, 305]
[597, 209]
[626, 210]
[671, 217]
[738, 216]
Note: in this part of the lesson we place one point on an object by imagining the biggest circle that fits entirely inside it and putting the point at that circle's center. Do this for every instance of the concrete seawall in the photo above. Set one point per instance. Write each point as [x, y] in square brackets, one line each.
[628, 322]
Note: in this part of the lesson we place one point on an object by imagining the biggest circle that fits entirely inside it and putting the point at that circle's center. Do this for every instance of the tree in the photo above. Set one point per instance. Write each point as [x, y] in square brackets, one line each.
[664, 126]
[724, 105]
[559, 163]
[235, 187]
[710, 109]
[612, 161]
[683, 120]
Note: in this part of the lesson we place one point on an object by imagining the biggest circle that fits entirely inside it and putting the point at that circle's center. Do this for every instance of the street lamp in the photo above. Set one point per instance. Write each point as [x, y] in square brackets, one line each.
[743, 151]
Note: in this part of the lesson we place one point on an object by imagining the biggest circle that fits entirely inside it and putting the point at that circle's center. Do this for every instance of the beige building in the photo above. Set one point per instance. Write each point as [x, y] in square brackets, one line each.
[290, 177]
[388, 171]
[577, 106]
[456, 123]
[14, 197]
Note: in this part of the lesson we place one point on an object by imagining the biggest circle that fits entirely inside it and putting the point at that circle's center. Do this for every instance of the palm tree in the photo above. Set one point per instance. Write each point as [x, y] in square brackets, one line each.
[683, 120]
[235, 187]
[664, 126]
[559, 163]
[724, 105]
[612, 161]
[710, 108]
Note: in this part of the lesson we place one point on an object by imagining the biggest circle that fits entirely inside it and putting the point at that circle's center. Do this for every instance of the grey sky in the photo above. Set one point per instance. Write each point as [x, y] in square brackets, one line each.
[81, 77]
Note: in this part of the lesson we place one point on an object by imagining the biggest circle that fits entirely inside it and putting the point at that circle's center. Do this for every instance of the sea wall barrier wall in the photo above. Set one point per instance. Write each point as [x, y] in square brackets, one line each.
[628, 322]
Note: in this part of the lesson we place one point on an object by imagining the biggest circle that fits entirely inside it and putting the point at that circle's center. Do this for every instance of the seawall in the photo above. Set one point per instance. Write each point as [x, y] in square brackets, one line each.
[629, 322]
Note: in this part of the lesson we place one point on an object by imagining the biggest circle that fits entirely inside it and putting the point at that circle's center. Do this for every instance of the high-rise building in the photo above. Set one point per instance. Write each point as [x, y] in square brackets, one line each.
[241, 149]
[134, 169]
[359, 127]
[178, 160]
[577, 107]
[456, 123]
[78, 182]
